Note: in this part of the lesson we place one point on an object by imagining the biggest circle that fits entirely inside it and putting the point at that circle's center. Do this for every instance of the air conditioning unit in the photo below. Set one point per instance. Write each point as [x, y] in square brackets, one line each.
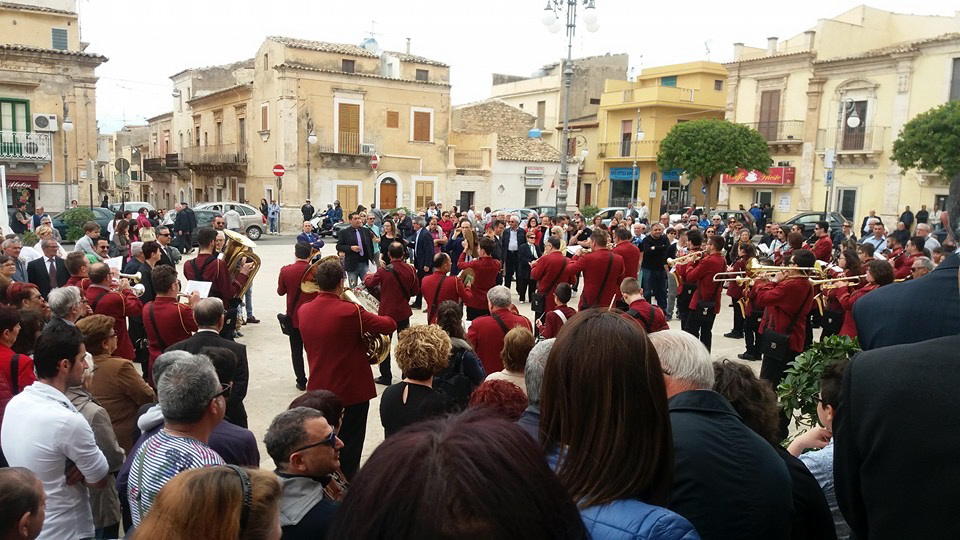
[45, 122]
[218, 181]
[31, 148]
[368, 149]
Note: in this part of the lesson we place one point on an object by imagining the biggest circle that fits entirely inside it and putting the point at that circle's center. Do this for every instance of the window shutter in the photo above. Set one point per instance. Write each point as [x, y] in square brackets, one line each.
[393, 119]
[59, 39]
[421, 126]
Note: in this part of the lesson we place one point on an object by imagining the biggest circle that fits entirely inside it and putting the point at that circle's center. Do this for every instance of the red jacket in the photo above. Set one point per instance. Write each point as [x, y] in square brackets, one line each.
[897, 258]
[594, 267]
[546, 271]
[782, 301]
[486, 336]
[847, 299]
[702, 271]
[25, 375]
[734, 289]
[642, 307]
[119, 306]
[485, 270]
[77, 281]
[289, 284]
[393, 303]
[216, 272]
[906, 267]
[552, 322]
[452, 289]
[631, 258]
[174, 320]
[335, 351]
[823, 249]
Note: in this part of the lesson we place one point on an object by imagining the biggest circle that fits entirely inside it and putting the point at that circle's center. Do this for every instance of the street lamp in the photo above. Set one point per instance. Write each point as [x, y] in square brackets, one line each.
[636, 148]
[551, 19]
[67, 128]
[311, 140]
[848, 109]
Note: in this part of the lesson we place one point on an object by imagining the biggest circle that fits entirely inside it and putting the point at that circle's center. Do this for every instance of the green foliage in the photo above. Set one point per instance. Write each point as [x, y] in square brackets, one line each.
[930, 140]
[589, 211]
[707, 148]
[75, 218]
[802, 381]
[29, 238]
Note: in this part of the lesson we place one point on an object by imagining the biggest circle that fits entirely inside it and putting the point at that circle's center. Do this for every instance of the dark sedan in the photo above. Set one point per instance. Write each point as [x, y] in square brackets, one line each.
[808, 220]
[102, 216]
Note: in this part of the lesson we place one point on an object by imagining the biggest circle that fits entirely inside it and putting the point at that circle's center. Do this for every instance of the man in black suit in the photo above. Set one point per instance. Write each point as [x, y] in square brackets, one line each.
[355, 244]
[864, 229]
[896, 442]
[50, 271]
[514, 237]
[422, 254]
[209, 316]
[184, 224]
[889, 315]
[168, 255]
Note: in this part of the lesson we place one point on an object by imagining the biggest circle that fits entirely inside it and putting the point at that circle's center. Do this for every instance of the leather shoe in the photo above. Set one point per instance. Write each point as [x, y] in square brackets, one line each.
[386, 381]
[747, 356]
[253, 320]
[731, 335]
[301, 386]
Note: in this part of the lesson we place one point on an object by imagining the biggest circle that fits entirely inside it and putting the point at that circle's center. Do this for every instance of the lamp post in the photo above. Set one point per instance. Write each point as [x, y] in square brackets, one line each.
[636, 148]
[67, 128]
[311, 140]
[847, 108]
[551, 19]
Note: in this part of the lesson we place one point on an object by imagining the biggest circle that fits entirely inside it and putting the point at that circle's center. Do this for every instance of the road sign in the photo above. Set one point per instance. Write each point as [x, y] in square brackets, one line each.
[278, 170]
[122, 180]
[122, 165]
[829, 180]
[374, 161]
[703, 190]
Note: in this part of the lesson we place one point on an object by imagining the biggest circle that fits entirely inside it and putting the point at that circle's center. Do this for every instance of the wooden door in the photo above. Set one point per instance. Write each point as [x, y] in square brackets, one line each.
[348, 197]
[424, 195]
[769, 114]
[349, 129]
[388, 194]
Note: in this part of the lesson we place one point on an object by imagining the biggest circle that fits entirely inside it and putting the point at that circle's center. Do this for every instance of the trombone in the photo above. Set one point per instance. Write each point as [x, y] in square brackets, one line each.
[755, 270]
[835, 283]
[688, 258]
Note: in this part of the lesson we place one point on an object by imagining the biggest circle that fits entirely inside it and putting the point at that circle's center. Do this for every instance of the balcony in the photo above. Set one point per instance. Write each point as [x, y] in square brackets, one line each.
[783, 137]
[470, 162]
[665, 95]
[854, 147]
[215, 158]
[628, 150]
[346, 149]
[154, 165]
[18, 148]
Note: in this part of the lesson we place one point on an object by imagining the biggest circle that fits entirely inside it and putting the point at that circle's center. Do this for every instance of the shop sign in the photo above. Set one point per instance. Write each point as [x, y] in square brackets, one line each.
[21, 181]
[776, 176]
[624, 173]
[533, 171]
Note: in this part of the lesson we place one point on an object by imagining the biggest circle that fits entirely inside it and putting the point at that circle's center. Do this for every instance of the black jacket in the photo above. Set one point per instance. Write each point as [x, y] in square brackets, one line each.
[728, 481]
[505, 239]
[346, 238]
[236, 412]
[811, 516]
[654, 252]
[39, 274]
[889, 315]
[421, 246]
[895, 456]
[185, 221]
[525, 256]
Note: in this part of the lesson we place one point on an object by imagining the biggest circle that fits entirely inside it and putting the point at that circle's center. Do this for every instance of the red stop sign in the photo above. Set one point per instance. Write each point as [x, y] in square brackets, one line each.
[374, 161]
[278, 170]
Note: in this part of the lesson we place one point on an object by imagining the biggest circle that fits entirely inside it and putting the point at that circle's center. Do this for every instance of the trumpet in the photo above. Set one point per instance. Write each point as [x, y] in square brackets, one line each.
[835, 283]
[688, 258]
[134, 278]
[739, 277]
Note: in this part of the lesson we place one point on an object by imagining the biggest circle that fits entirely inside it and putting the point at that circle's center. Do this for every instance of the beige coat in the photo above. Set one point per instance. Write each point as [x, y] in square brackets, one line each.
[120, 389]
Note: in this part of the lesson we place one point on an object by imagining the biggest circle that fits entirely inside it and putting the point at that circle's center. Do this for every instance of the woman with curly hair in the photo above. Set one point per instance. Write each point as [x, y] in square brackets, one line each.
[422, 352]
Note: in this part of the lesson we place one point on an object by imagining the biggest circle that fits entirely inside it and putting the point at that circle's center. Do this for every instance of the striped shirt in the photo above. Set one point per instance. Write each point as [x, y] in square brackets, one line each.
[160, 458]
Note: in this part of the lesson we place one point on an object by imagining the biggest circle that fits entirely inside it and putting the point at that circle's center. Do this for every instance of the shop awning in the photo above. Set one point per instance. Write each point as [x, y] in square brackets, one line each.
[21, 181]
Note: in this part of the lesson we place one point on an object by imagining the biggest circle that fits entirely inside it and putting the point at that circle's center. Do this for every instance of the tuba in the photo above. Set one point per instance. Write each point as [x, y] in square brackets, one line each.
[237, 248]
[378, 345]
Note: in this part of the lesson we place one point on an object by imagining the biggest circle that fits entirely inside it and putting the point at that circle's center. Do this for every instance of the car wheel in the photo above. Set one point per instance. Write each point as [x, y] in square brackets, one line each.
[254, 233]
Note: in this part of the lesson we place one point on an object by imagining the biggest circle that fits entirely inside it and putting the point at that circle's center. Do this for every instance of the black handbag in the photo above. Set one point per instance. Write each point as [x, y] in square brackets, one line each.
[705, 309]
[832, 322]
[285, 320]
[775, 344]
[752, 322]
[538, 302]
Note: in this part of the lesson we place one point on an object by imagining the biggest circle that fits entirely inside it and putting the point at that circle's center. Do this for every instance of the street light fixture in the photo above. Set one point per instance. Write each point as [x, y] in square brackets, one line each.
[848, 109]
[311, 140]
[551, 19]
[67, 128]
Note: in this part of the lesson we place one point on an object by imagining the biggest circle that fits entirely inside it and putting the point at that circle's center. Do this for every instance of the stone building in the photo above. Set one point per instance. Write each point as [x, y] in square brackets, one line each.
[47, 77]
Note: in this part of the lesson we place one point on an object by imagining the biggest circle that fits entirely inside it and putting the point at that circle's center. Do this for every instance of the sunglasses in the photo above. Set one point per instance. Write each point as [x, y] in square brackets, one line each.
[330, 440]
[224, 391]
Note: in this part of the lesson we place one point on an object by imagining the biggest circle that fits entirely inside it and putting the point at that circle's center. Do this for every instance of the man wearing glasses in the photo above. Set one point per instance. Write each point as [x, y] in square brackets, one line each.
[168, 255]
[305, 448]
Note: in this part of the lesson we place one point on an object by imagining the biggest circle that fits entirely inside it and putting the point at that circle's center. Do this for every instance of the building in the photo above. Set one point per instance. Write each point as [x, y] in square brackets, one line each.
[800, 92]
[493, 161]
[47, 77]
[636, 115]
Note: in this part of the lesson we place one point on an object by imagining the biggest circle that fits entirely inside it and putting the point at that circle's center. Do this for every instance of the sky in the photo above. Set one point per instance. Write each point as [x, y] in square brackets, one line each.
[146, 42]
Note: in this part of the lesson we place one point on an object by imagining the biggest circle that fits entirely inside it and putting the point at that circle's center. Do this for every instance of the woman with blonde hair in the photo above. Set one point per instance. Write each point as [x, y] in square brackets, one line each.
[558, 232]
[422, 352]
[517, 345]
[215, 503]
[44, 232]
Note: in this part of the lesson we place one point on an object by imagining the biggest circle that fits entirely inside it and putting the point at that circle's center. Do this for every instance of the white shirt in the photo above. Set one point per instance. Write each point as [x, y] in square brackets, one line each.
[62, 253]
[644, 213]
[232, 219]
[28, 254]
[41, 430]
[514, 235]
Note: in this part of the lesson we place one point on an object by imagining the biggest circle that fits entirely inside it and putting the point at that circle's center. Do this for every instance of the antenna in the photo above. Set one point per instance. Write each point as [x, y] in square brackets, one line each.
[707, 45]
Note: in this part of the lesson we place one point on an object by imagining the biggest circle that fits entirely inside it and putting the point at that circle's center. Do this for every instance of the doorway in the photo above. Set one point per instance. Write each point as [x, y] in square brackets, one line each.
[242, 193]
[847, 202]
[762, 197]
[424, 195]
[466, 199]
[587, 194]
[530, 197]
[348, 197]
[388, 194]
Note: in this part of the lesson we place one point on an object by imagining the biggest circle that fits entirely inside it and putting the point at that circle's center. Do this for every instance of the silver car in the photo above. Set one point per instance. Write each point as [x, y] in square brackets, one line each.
[254, 223]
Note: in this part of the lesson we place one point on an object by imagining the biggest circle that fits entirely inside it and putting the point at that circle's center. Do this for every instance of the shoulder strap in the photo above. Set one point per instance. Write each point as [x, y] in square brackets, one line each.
[296, 297]
[797, 314]
[561, 315]
[93, 305]
[156, 329]
[556, 280]
[403, 288]
[15, 373]
[436, 296]
[500, 322]
[650, 317]
[603, 283]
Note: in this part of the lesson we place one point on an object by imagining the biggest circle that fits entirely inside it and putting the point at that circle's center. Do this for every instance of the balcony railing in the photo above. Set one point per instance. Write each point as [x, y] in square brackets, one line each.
[23, 146]
[345, 142]
[217, 154]
[783, 131]
[467, 159]
[628, 149]
[863, 140]
[663, 94]
[154, 165]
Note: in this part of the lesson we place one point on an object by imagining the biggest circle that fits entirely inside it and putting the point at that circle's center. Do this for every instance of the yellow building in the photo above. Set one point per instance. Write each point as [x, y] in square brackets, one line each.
[657, 100]
[46, 77]
[800, 92]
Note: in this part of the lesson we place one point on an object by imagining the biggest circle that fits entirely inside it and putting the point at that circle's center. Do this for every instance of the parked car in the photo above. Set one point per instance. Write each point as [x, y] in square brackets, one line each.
[102, 216]
[742, 216]
[254, 223]
[548, 210]
[522, 212]
[607, 214]
[204, 219]
[810, 219]
[676, 218]
[132, 206]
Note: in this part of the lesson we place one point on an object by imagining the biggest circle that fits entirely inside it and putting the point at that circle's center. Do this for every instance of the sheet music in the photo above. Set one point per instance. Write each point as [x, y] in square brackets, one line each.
[202, 287]
[115, 263]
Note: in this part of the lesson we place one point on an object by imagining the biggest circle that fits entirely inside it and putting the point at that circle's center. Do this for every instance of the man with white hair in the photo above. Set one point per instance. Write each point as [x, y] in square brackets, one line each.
[929, 241]
[486, 333]
[728, 481]
[533, 379]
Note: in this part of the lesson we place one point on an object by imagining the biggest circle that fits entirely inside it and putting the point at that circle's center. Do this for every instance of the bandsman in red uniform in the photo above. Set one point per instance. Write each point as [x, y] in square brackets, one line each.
[78, 266]
[485, 272]
[705, 304]
[865, 252]
[207, 267]
[337, 355]
[878, 274]
[554, 319]
[687, 287]
[549, 271]
[823, 248]
[486, 333]
[645, 314]
[118, 303]
[398, 282]
[631, 253]
[439, 287]
[914, 249]
[736, 291]
[602, 271]
[166, 320]
[289, 285]
[897, 255]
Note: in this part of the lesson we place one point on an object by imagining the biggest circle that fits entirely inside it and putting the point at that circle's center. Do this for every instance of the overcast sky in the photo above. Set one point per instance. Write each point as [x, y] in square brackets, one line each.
[147, 42]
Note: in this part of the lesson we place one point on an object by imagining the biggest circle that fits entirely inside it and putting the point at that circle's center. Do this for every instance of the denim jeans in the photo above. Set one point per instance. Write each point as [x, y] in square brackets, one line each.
[357, 275]
[273, 224]
[671, 295]
[248, 301]
[655, 285]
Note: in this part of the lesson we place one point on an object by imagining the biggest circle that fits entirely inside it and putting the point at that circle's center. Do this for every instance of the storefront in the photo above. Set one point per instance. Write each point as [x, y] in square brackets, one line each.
[674, 194]
[22, 188]
[772, 187]
[623, 182]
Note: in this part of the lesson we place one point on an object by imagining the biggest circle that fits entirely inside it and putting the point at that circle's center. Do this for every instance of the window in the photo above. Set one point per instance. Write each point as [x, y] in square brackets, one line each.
[955, 81]
[264, 116]
[626, 135]
[855, 138]
[521, 106]
[594, 101]
[347, 66]
[669, 80]
[423, 75]
[266, 61]
[530, 197]
[423, 192]
[541, 113]
[219, 133]
[769, 114]
[14, 115]
[718, 85]
[421, 129]
[348, 136]
[393, 119]
[59, 39]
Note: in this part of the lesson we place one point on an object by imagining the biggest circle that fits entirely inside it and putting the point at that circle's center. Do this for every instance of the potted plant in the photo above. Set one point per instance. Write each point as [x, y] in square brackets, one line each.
[802, 381]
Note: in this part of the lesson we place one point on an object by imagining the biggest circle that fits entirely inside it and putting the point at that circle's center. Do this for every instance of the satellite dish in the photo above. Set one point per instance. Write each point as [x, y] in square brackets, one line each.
[371, 45]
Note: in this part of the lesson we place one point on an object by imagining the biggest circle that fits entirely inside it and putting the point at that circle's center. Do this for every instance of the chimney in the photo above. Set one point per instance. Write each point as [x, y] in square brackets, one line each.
[771, 46]
[408, 45]
[808, 39]
[737, 51]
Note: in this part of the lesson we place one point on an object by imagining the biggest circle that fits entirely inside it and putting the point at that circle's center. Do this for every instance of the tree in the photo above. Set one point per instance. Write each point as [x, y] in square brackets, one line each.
[708, 148]
[930, 142]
